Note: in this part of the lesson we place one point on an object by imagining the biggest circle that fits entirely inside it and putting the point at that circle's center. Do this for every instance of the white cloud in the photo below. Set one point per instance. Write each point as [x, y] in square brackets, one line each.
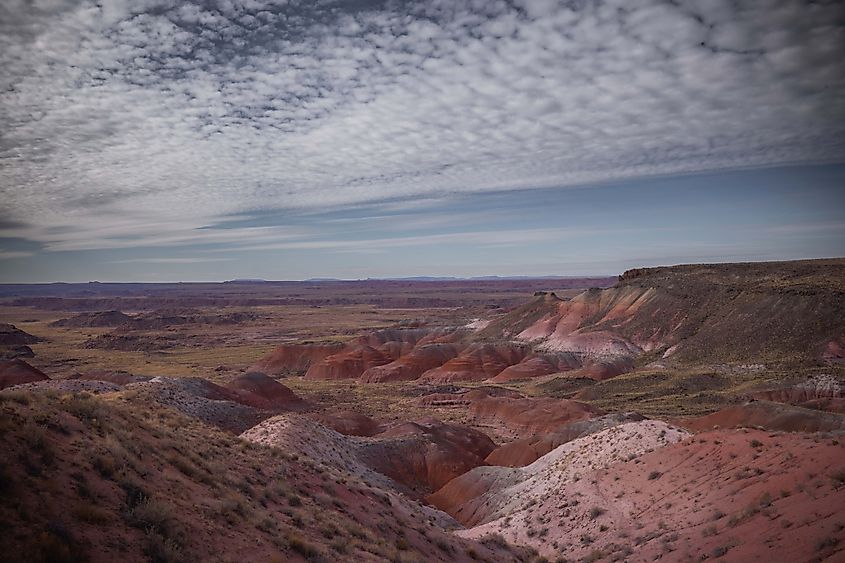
[138, 122]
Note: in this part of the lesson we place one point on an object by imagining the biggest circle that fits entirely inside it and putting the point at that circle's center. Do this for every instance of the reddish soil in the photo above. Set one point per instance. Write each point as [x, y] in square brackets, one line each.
[771, 416]
[746, 495]
[17, 372]
[411, 365]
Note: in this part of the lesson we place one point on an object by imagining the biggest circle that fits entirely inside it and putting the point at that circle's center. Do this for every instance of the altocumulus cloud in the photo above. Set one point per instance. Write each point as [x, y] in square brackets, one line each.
[137, 122]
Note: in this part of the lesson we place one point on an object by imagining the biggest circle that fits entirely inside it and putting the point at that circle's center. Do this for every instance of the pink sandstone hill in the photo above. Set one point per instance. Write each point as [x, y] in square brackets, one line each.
[523, 451]
[426, 454]
[259, 391]
[771, 416]
[251, 399]
[487, 494]
[477, 363]
[522, 417]
[413, 458]
[350, 423]
[17, 372]
[773, 312]
[290, 359]
[624, 494]
[411, 365]
[351, 362]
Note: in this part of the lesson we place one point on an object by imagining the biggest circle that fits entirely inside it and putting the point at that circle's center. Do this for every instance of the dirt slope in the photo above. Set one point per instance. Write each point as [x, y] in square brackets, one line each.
[92, 479]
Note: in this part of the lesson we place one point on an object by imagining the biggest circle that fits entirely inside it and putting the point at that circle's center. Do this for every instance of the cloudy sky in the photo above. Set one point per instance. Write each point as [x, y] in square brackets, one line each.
[285, 139]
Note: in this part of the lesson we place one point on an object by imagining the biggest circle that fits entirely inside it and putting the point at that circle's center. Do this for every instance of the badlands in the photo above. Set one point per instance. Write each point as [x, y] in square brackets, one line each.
[681, 413]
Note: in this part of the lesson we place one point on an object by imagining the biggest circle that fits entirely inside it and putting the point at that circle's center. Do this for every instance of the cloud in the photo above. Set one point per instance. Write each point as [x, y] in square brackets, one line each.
[168, 260]
[138, 123]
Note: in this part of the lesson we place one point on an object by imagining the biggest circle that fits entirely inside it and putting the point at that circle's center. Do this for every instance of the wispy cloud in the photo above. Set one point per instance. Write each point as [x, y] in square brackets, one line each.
[168, 260]
[136, 123]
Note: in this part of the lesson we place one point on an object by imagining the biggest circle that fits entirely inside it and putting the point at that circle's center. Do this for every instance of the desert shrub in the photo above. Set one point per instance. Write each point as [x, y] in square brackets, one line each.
[495, 540]
[720, 551]
[654, 475]
[91, 513]
[153, 514]
[294, 500]
[19, 397]
[134, 491]
[302, 547]
[838, 478]
[596, 511]
[161, 549]
[825, 543]
[756, 444]
[84, 407]
[104, 465]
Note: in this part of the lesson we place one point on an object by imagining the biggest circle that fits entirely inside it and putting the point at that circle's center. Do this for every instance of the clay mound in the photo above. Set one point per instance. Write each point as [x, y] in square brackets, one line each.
[820, 386]
[10, 335]
[834, 351]
[259, 391]
[117, 377]
[294, 358]
[68, 386]
[829, 405]
[131, 342]
[94, 319]
[200, 399]
[477, 363]
[301, 436]
[350, 423]
[412, 364]
[772, 416]
[520, 453]
[737, 495]
[489, 494]
[351, 362]
[426, 454]
[534, 366]
[413, 458]
[528, 416]
[463, 397]
[16, 372]
[21, 351]
[538, 365]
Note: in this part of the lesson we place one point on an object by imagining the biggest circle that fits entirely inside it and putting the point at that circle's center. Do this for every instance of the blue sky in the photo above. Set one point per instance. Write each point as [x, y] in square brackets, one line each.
[157, 140]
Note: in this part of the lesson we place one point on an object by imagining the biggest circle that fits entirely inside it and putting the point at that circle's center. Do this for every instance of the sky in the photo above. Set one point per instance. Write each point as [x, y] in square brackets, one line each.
[155, 140]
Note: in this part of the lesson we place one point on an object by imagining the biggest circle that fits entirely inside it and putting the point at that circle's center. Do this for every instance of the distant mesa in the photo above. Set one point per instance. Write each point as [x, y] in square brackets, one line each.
[94, 319]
